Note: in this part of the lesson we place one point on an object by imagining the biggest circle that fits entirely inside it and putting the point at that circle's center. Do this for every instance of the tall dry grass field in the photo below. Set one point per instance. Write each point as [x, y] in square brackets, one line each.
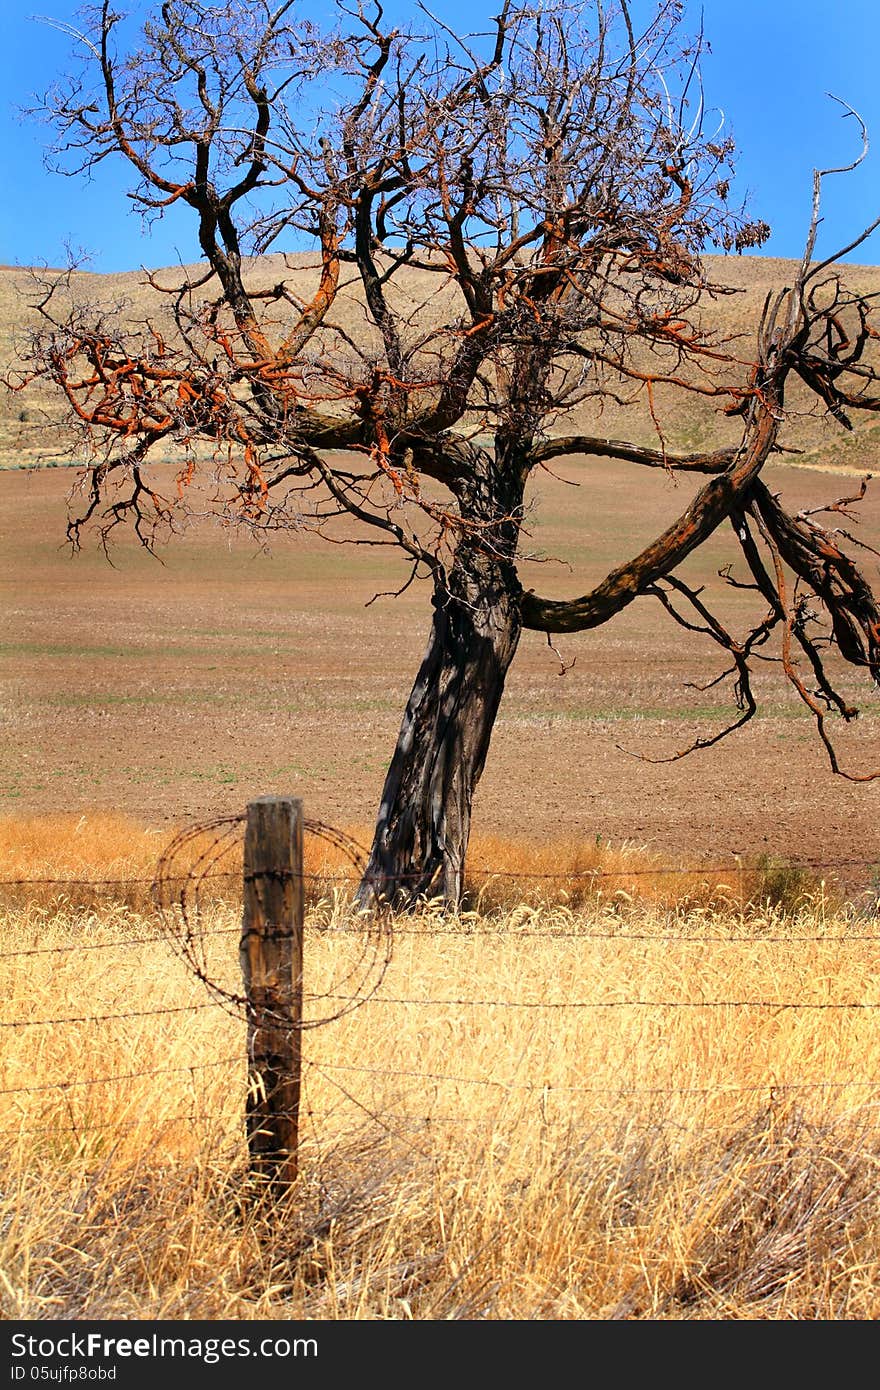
[622, 1108]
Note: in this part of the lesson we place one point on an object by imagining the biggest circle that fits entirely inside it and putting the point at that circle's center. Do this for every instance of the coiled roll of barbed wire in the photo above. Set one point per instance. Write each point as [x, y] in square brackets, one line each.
[202, 866]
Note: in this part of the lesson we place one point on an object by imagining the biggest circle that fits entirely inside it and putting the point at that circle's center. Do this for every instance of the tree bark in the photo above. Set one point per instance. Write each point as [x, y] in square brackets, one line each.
[424, 816]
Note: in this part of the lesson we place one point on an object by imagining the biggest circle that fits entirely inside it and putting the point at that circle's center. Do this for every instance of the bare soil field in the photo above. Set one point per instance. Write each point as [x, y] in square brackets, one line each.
[178, 688]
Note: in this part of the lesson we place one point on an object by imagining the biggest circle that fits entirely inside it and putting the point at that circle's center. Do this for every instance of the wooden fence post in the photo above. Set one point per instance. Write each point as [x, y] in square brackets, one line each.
[272, 966]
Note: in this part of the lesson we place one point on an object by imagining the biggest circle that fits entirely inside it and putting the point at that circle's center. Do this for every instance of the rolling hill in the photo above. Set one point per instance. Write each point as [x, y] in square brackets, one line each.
[28, 435]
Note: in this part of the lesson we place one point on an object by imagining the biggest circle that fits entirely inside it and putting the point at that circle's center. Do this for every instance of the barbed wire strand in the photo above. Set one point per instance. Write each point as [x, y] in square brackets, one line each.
[559, 1004]
[466, 933]
[774, 1089]
[543, 1087]
[426, 1001]
[77, 946]
[380, 1120]
[116, 1127]
[510, 935]
[123, 1076]
[780, 1005]
[546, 1090]
[533, 1087]
[106, 1018]
[733, 866]
[102, 882]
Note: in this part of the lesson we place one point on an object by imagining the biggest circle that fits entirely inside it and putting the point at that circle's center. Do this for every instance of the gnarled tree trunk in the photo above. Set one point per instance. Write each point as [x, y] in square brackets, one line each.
[424, 816]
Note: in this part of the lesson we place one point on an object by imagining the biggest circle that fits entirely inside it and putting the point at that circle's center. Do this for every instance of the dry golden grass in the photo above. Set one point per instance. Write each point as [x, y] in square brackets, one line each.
[504, 874]
[621, 1110]
[98, 846]
[88, 860]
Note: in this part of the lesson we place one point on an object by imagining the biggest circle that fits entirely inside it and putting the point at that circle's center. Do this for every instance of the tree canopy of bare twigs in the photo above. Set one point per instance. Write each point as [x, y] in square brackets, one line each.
[551, 184]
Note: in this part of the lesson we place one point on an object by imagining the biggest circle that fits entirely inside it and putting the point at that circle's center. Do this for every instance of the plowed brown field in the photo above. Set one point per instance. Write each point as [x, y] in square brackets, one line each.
[181, 689]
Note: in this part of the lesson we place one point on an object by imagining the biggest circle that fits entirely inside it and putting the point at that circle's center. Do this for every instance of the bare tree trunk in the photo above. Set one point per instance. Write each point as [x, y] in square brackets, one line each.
[424, 817]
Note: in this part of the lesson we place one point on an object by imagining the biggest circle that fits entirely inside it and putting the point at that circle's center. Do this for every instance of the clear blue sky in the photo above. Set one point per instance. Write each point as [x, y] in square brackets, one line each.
[772, 63]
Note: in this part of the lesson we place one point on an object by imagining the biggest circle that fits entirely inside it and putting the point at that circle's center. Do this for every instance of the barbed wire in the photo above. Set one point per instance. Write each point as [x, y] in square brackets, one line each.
[475, 933]
[478, 934]
[542, 1087]
[114, 1126]
[425, 1121]
[736, 866]
[465, 1003]
[75, 947]
[196, 855]
[195, 859]
[181, 913]
[530, 1087]
[388, 1121]
[105, 1018]
[134, 882]
[539, 1088]
[120, 1076]
[584, 1004]
[732, 866]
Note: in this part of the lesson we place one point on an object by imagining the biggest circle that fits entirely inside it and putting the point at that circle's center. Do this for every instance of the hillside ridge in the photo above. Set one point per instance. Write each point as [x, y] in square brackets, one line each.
[688, 421]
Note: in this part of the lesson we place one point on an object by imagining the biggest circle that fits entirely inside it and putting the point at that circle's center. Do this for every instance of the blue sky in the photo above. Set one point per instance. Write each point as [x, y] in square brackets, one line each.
[771, 65]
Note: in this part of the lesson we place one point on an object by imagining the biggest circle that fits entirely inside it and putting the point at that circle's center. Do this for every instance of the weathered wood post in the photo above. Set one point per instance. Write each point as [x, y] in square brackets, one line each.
[272, 966]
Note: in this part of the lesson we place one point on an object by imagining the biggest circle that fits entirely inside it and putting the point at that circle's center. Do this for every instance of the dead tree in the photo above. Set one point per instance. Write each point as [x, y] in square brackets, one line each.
[520, 221]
